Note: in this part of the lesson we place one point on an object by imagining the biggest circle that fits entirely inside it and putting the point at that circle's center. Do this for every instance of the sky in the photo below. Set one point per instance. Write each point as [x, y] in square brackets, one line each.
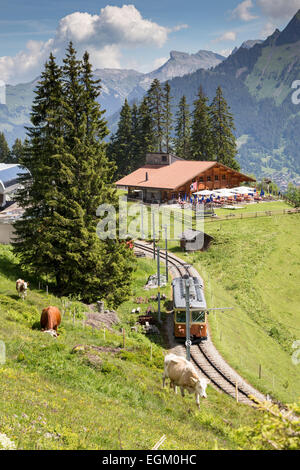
[134, 35]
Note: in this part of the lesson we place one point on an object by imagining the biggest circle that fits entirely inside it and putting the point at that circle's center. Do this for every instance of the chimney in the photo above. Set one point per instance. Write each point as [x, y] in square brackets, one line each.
[146, 175]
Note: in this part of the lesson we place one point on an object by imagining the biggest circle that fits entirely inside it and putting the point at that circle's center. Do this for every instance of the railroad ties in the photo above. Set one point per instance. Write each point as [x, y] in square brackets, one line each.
[205, 356]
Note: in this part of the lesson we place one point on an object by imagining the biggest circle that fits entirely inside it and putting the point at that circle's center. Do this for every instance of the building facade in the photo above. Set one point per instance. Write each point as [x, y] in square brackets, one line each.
[165, 177]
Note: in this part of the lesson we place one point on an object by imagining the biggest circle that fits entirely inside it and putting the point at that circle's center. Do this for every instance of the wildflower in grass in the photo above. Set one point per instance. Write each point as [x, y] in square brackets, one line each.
[6, 443]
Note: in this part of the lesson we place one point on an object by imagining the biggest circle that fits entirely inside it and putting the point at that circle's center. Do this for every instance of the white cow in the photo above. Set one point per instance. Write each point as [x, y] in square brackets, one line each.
[21, 287]
[183, 374]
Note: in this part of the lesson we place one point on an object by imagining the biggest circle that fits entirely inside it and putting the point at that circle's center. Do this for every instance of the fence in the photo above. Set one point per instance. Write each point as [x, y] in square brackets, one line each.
[253, 215]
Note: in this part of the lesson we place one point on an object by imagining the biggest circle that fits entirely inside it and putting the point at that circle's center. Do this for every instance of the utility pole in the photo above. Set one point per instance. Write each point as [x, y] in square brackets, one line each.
[158, 283]
[142, 221]
[166, 248]
[153, 228]
[188, 342]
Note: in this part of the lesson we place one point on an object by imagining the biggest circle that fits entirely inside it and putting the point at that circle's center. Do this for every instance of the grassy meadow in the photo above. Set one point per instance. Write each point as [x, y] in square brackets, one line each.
[253, 266]
[54, 398]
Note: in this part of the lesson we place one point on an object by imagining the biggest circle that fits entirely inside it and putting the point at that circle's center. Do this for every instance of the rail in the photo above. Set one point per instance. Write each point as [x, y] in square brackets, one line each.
[205, 356]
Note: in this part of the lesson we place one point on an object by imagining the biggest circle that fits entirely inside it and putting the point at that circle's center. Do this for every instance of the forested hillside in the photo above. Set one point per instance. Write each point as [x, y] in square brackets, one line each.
[257, 84]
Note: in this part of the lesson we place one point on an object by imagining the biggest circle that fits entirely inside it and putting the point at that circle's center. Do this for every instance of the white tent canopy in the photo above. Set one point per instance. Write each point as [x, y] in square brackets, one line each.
[243, 190]
[205, 192]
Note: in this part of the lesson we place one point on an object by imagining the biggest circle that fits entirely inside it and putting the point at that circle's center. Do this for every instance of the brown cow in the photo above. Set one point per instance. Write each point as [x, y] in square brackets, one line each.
[50, 318]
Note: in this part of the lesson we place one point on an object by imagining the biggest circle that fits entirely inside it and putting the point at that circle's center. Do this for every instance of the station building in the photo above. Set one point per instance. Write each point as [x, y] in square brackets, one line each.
[165, 177]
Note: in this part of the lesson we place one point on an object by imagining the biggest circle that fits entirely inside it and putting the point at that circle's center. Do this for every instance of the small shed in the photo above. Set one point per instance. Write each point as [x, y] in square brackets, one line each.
[194, 240]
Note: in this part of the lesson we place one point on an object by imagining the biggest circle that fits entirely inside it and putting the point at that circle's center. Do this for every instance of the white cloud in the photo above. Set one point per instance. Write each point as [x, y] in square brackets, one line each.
[242, 11]
[279, 9]
[103, 35]
[114, 25]
[179, 27]
[228, 36]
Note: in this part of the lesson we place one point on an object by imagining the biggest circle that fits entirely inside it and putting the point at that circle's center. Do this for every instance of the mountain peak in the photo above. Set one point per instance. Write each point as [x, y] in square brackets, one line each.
[178, 55]
[273, 38]
[251, 43]
[291, 33]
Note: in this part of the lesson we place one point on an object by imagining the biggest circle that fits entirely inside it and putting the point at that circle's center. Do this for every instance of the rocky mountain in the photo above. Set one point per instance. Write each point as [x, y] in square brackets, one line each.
[117, 84]
[182, 63]
[257, 83]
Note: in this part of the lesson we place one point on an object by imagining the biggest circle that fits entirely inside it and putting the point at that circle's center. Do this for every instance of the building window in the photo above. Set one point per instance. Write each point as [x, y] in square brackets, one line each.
[223, 177]
[216, 178]
[208, 178]
[164, 158]
[201, 179]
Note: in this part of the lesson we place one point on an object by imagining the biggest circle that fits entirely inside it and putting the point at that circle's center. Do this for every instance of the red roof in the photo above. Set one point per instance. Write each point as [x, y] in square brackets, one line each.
[170, 176]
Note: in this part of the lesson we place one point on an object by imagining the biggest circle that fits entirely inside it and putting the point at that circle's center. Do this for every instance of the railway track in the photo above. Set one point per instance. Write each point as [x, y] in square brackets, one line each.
[205, 356]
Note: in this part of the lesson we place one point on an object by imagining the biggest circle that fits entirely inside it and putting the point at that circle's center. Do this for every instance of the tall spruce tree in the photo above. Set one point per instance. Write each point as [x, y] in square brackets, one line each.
[183, 130]
[4, 149]
[145, 134]
[70, 177]
[155, 103]
[167, 121]
[17, 151]
[120, 147]
[224, 143]
[136, 150]
[201, 132]
[34, 230]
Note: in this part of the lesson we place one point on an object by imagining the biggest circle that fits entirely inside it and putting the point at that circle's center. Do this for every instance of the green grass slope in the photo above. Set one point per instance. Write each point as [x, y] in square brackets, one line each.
[253, 266]
[52, 398]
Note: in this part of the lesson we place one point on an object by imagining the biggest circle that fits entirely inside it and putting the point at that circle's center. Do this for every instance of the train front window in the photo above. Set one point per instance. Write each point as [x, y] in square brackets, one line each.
[180, 317]
[198, 317]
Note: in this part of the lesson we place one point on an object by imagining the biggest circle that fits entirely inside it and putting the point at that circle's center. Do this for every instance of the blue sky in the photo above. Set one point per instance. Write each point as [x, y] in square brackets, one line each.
[137, 34]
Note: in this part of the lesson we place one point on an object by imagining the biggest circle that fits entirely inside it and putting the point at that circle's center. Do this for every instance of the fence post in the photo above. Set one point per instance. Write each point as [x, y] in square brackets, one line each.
[236, 392]
[259, 371]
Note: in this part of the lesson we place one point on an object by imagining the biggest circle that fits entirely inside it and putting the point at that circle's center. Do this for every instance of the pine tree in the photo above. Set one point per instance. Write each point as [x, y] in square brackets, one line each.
[4, 149]
[137, 159]
[39, 193]
[155, 103]
[17, 151]
[142, 137]
[146, 138]
[224, 143]
[167, 121]
[201, 131]
[120, 147]
[70, 178]
[183, 130]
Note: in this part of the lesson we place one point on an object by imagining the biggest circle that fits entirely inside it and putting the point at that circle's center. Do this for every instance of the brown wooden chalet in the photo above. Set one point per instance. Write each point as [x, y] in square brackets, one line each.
[165, 177]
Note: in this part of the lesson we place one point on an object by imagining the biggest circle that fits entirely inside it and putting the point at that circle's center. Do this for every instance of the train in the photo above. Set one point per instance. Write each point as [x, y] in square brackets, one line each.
[198, 310]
